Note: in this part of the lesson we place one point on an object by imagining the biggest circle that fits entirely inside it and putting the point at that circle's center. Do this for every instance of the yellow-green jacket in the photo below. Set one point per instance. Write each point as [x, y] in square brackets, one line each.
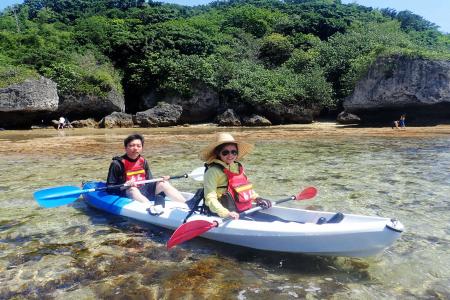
[215, 183]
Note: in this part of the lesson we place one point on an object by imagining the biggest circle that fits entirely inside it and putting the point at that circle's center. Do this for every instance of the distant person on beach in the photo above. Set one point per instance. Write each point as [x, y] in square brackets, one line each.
[400, 124]
[132, 167]
[61, 123]
[68, 124]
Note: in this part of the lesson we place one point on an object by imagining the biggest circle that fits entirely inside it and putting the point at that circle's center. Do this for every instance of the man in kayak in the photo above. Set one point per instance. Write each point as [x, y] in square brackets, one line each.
[227, 190]
[132, 167]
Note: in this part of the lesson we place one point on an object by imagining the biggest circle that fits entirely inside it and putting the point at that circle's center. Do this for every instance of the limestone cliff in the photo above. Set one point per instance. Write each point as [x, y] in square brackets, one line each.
[24, 104]
[393, 85]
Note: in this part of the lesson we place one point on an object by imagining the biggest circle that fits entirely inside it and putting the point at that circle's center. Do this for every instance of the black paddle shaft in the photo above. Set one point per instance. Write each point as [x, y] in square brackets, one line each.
[123, 187]
[179, 176]
[255, 209]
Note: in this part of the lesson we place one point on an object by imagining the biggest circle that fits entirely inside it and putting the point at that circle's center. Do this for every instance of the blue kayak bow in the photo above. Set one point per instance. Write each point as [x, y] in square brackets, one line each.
[62, 195]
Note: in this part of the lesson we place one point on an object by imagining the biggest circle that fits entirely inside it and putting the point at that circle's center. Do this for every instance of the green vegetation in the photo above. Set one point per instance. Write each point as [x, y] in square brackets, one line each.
[258, 53]
[10, 74]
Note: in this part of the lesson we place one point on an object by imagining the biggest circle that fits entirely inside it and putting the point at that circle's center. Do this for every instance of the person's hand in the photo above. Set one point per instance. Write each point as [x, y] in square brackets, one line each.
[234, 215]
[264, 203]
[165, 178]
[131, 183]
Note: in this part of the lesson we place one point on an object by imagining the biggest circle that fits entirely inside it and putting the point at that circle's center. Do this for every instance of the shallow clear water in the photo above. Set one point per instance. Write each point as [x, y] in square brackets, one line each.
[77, 252]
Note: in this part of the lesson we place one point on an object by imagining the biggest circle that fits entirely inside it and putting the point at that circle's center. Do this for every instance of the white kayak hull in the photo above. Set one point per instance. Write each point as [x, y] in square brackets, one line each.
[275, 229]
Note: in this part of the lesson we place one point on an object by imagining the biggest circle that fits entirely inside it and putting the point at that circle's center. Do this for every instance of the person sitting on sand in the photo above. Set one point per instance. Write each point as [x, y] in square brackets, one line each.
[132, 167]
[400, 124]
[61, 123]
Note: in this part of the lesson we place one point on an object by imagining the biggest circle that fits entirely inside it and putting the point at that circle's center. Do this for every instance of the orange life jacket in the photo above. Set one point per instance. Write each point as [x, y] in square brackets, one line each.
[134, 170]
[240, 189]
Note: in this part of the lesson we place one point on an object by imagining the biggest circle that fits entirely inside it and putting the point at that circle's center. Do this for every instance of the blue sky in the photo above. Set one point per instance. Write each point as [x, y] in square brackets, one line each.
[436, 11]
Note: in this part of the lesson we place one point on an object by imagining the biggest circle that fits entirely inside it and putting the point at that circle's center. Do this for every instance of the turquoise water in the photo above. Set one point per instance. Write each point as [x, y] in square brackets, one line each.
[77, 252]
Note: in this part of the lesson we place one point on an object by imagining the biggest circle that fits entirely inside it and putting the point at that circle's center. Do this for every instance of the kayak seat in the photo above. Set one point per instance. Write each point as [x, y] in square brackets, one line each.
[263, 217]
[338, 217]
[321, 220]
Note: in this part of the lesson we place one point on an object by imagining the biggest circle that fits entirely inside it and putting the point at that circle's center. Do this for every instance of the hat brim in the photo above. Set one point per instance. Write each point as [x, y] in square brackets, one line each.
[207, 154]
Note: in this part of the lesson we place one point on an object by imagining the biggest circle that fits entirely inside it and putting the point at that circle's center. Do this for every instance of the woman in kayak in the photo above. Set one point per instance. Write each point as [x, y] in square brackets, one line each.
[227, 191]
[132, 167]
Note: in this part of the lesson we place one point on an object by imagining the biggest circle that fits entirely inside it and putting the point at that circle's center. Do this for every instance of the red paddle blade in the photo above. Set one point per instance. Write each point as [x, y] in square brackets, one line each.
[308, 193]
[189, 231]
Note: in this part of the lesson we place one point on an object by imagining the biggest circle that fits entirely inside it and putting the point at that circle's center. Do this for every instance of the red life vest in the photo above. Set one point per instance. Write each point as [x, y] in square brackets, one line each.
[240, 188]
[134, 170]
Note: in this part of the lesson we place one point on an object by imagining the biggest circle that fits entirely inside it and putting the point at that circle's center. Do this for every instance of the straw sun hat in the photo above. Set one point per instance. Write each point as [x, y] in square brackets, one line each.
[208, 155]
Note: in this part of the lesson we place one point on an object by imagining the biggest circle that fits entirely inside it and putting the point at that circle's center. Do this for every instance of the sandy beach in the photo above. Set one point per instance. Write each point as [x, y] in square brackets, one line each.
[85, 140]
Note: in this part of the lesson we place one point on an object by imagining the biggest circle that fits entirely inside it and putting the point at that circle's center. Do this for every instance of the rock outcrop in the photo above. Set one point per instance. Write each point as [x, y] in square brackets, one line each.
[285, 114]
[86, 105]
[348, 118]
[255, 120]
[395, 85]
[162, 115]
[116, 120]
[228, 118]
[201, 107]
[26, 103]
[87, 123]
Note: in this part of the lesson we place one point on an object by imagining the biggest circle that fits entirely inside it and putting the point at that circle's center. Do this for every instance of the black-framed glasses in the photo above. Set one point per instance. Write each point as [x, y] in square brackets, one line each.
[226, 152]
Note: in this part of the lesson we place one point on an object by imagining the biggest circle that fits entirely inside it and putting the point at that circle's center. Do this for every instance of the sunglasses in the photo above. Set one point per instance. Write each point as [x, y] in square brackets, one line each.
[226, 152]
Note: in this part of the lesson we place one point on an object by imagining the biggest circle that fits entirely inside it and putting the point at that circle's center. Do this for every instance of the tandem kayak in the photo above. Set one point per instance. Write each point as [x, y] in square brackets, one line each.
[280, 229]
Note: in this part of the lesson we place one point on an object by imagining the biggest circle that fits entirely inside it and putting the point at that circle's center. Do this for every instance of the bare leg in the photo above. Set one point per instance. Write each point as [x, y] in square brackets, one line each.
[170, 191]
[135, 194]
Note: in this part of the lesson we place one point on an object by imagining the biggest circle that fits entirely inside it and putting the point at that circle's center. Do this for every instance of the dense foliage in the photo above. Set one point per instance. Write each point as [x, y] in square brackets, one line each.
[261, 53]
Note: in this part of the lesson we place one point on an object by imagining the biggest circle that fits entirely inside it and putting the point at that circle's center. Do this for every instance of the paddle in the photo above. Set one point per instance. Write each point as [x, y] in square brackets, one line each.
[195, 228]
[57, 196]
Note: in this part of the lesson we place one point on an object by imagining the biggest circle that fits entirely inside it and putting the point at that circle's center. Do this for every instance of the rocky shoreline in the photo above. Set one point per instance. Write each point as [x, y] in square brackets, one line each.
[392, 86]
